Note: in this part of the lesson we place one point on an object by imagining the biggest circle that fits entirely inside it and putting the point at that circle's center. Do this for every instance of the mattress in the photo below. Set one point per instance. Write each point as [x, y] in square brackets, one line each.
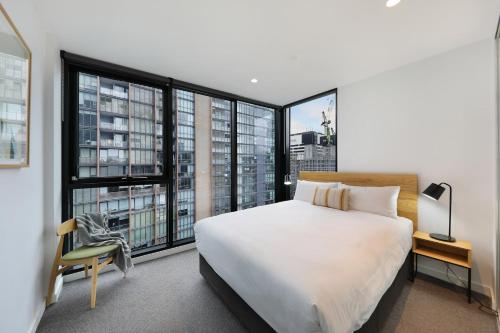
[306, 268]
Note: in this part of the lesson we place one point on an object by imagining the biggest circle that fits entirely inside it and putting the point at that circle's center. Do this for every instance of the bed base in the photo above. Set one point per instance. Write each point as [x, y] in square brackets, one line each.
[255, 324]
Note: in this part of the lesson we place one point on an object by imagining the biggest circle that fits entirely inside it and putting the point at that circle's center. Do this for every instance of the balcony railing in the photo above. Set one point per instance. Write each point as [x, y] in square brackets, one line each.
[112, 143]
[113, 195]
[114, 160]
[88, 160]
[114, 127]
[106, 107]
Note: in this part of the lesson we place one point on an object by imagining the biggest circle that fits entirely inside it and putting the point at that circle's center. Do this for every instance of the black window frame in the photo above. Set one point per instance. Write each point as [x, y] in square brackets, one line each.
[279, 194]
[285, 124]
[72, 64]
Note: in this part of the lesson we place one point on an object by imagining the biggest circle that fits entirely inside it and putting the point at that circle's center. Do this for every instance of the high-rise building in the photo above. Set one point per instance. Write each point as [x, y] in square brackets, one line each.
[221, 156]
[203, 159]
[256, 155]
[185, 164]
[121, 134]
[309, 151]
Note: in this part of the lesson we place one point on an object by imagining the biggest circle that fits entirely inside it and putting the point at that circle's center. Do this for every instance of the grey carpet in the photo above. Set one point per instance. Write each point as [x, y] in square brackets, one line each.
[169, 295]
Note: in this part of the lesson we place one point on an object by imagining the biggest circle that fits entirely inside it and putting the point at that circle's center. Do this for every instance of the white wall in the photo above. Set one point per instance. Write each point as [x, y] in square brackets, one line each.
[436, 118]
[27, 237]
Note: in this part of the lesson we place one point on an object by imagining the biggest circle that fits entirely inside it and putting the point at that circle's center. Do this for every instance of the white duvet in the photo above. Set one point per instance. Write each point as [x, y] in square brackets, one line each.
[306, 268]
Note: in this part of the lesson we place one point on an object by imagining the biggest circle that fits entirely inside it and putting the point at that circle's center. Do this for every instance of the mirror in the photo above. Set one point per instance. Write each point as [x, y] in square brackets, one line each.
[15, 80]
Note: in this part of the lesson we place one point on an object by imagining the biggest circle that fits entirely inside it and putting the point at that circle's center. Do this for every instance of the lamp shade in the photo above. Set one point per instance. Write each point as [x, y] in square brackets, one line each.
[434, 191]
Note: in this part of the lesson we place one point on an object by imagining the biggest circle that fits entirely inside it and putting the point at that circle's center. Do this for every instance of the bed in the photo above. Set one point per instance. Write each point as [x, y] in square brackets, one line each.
[295, 267]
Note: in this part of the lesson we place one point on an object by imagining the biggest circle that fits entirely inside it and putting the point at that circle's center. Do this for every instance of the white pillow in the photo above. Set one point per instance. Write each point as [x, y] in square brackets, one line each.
[382, 200]
[305, 189]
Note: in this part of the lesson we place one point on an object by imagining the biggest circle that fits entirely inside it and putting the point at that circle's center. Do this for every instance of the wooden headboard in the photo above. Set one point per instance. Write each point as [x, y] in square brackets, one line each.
[408, 195]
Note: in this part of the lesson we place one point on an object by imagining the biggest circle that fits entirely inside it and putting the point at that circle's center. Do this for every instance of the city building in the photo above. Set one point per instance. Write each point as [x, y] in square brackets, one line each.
[256, 155]
[121, 134]
[185, 165]
[221, 156]
[309, 151]
[203, 184]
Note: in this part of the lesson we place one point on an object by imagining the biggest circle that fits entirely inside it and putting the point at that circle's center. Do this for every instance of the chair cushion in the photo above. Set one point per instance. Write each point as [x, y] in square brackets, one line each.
[85, 252]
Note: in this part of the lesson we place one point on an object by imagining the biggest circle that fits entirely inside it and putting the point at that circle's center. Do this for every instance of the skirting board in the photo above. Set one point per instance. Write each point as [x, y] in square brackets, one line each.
[137, 260]
[477, 287]
[38, 316]
[41, 308]
[57, 290]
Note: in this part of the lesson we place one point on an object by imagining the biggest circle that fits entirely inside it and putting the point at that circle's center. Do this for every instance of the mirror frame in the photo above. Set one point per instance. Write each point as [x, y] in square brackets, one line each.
[28, 93]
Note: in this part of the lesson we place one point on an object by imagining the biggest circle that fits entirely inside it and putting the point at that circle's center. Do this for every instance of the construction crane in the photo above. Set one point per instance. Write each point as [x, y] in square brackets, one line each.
[329, 130]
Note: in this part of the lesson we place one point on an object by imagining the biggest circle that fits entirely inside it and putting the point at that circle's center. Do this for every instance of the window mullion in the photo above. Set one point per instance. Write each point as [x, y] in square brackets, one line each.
[234, 155]
[168, 162]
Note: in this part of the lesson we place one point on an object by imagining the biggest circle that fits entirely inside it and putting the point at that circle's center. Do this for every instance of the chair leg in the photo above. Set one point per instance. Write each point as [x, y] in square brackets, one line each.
[86, 271]
[53, 276]
[95, 263]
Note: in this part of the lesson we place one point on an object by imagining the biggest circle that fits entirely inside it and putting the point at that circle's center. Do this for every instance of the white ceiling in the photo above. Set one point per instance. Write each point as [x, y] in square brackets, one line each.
[295, 48]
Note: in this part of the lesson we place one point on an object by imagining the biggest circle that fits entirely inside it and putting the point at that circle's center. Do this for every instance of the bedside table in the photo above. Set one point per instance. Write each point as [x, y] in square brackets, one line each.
[458, 253]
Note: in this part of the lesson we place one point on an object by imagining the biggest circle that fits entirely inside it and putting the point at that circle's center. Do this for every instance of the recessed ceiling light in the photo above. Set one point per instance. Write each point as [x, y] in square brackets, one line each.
[392, 3]
[254, 80]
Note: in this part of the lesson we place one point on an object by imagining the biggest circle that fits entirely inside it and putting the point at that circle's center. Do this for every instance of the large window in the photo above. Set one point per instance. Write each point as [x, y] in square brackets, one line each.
[118, 157]
[313, 136]
[202, 144]
[256, 155]
[156, 155]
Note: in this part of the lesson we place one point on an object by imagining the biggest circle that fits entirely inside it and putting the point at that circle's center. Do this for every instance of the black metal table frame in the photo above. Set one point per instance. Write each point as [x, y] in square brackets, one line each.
[469, 271]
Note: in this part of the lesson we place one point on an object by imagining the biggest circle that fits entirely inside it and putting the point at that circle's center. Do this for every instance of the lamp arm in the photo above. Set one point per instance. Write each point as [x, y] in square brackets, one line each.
[449, 208]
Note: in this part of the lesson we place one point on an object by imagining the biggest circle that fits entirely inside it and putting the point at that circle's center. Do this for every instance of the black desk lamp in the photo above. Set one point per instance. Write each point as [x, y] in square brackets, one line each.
[434, 192]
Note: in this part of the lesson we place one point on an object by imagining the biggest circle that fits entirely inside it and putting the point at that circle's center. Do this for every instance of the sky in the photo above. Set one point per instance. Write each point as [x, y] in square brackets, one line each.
[307, 116]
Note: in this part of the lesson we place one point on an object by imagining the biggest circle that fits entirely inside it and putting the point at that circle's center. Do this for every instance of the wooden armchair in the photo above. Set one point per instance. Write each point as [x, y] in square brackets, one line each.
[85, 255]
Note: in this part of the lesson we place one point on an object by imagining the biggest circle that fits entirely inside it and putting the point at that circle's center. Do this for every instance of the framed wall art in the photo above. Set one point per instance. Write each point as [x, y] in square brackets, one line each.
[15, 82]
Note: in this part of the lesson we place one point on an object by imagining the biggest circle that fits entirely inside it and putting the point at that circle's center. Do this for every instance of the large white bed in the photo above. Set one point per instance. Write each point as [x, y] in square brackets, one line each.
[305, 268]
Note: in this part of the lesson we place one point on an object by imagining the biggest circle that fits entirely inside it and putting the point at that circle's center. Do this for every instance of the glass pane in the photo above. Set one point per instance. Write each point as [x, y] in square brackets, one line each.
[120, 128]
[256, 152]
[313, 137]
[202, 148]
[138, 212]
[221, 156]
